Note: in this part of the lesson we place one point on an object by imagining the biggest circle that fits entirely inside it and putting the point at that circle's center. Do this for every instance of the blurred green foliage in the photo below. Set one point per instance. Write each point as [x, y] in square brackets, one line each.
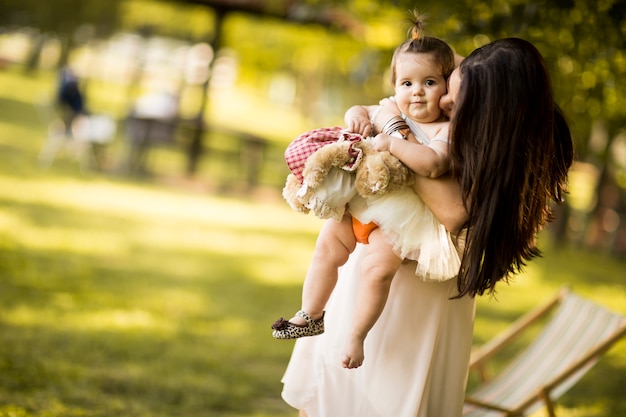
[583, 41]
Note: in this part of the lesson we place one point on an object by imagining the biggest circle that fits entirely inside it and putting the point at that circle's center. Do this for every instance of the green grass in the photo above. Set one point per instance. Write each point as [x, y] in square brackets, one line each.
[154, 298]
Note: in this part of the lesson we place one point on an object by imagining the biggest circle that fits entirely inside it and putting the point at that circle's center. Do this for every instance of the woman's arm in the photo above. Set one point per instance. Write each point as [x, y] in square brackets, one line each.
[443, 196]
[425, 160]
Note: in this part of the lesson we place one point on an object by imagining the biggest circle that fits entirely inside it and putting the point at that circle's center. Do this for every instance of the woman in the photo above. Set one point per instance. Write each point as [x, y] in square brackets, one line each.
[511, 150]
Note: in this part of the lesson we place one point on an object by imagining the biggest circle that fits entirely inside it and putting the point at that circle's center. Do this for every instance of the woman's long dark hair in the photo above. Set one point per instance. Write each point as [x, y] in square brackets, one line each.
[511, 149]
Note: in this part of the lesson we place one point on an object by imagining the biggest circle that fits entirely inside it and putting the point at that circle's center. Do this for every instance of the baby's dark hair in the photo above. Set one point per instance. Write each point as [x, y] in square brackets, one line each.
[419, 44]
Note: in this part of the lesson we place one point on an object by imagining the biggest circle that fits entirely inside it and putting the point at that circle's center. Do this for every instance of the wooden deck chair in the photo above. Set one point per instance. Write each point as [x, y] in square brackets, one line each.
[571, 342]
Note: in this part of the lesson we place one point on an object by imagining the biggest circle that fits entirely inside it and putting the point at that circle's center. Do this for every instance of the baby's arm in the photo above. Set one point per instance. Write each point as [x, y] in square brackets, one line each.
[361, 119]
[425, 160]
[428, 161]
[358, 119]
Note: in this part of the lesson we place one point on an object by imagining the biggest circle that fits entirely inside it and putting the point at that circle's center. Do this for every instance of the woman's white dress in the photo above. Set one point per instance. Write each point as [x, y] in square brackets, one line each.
[416, 355]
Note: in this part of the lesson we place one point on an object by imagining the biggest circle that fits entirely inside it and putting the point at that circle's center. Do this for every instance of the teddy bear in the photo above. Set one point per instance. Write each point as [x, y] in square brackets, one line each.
[373, 173]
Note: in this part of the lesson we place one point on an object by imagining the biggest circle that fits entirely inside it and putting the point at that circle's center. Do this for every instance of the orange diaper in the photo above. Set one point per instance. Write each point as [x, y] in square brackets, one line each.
[362, 231]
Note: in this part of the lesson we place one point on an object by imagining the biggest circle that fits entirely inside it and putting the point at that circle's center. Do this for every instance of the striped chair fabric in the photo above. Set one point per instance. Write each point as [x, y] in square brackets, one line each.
[555, 360]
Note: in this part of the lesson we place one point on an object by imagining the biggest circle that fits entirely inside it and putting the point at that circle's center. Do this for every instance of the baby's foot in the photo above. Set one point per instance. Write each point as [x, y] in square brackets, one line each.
[353, 353]
[297, 320]
[300, 325]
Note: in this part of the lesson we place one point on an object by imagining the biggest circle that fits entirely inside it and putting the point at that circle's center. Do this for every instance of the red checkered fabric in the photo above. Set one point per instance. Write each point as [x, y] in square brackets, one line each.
[307, 143]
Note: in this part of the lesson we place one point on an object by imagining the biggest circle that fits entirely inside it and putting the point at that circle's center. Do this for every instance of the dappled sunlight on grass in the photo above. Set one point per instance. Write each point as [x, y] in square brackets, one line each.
[113, 285]
[283, 273]
[78, 241]
[134, 202]
[272, 122]
[93, 320]
[32, 89]
[16, 132]
[230, 327]
[106, 218]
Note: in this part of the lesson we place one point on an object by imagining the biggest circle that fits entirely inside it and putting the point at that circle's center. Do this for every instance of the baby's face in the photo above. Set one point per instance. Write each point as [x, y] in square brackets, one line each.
[419, 86]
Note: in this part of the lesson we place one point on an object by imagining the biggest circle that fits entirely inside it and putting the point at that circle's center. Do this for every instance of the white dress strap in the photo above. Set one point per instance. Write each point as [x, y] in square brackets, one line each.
[417, 131]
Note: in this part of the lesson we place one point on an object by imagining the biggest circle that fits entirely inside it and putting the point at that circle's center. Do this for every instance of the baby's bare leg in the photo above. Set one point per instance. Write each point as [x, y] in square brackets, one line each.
[334, 244]
[378, 269]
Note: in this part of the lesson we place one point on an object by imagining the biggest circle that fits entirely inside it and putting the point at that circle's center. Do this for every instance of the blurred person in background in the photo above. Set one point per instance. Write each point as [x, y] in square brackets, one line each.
[70, 99]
